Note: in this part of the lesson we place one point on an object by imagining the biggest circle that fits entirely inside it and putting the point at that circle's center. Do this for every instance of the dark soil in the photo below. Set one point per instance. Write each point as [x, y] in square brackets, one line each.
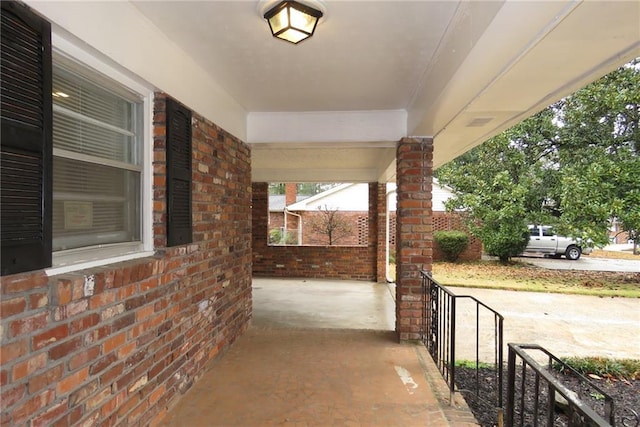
[481, 393]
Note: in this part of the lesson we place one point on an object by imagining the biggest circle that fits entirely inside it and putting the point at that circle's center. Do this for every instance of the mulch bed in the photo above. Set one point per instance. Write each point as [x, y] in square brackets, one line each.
[483, 401]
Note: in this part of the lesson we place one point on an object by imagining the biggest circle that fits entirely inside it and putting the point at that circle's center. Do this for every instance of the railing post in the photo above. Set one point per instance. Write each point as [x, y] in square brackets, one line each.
[511, 389]
[500, 360]
[425, 311]
[552, 402]
[452, 360]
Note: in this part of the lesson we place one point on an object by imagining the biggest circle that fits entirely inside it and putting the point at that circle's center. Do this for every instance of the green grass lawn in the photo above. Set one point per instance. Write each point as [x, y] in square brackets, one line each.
[525, 277]
[521, 276]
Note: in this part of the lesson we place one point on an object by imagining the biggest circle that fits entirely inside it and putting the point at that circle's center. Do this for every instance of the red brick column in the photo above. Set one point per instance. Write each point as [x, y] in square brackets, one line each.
[415, 232]
[259, 218]
[381, 241]
[372, 227]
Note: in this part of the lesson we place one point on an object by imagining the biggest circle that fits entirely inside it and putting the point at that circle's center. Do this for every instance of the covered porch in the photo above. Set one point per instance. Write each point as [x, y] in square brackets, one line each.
[321, 353]
[115, 332]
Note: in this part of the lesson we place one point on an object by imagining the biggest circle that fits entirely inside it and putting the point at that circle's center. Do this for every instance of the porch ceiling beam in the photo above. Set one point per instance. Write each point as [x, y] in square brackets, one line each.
[315, 175]
[326, 126]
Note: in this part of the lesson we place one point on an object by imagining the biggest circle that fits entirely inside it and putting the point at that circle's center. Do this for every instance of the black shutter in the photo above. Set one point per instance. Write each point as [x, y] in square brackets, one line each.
[25, 140]
[178, 174]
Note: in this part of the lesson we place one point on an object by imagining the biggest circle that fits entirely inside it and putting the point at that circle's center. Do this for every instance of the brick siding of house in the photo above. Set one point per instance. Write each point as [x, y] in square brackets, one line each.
[616, 235]
[357, 221]
[318, 261]
[118, 344]
[358, 234]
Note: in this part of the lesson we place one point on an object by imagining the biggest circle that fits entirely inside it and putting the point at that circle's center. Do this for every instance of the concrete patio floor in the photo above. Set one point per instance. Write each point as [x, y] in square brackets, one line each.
[320, 353]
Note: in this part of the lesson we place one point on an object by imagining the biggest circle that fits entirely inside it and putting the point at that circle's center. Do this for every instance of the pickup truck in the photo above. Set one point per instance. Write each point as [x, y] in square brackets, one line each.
[543, 240]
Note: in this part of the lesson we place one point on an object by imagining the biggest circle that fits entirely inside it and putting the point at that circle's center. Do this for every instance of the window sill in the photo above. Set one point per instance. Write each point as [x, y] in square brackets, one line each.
[75, 260]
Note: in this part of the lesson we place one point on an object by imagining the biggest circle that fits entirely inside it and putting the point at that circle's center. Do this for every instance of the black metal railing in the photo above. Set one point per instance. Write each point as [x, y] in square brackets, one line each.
[442, 310]
[537, 396]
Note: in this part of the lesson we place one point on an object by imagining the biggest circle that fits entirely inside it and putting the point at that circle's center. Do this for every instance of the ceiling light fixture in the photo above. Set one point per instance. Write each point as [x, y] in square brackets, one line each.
[292, 21]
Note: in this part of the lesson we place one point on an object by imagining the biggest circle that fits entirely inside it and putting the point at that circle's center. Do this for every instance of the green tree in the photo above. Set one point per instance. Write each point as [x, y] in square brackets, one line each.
[599, 152]
[492, 184]
[276, 188]
[576, 165]
[305, 188]
[313, 188]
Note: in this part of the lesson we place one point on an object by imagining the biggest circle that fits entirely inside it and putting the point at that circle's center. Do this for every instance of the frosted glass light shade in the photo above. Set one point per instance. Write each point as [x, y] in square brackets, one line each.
[292, 21]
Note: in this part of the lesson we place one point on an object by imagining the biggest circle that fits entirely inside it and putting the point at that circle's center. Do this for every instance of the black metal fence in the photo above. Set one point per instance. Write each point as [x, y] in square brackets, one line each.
[537, 395]
[482, 334]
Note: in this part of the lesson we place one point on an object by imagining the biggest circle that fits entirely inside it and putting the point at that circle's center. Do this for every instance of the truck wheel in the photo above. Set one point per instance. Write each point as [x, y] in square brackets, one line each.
[573, 253]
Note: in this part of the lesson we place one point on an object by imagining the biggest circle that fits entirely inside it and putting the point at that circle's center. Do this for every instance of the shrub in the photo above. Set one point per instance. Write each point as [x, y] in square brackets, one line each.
[278, 237]
[451, 243]
[504, 239]
[603, 366]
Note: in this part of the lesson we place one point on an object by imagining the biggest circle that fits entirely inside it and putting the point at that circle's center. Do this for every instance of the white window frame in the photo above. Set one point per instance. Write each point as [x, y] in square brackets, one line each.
[83, 258]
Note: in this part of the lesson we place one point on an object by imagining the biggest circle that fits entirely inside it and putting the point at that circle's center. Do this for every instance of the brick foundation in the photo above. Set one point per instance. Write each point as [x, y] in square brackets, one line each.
[118, 344]
[415, 232]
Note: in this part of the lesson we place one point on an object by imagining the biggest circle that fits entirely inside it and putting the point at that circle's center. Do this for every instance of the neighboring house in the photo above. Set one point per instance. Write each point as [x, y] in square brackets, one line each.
[352, 203]
[616, 235]
[282, 225]
[351, 200]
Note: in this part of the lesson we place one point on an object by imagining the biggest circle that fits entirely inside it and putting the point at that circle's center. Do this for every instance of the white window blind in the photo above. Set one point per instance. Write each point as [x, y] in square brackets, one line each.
[97, 139]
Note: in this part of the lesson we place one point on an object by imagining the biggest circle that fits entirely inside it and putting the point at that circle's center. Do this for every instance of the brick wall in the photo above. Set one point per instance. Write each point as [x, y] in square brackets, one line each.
[334, 262]
[118, 344]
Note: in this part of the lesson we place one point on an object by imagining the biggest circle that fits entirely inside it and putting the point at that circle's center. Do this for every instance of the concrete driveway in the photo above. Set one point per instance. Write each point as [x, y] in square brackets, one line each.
[567, 325]
[585, 262]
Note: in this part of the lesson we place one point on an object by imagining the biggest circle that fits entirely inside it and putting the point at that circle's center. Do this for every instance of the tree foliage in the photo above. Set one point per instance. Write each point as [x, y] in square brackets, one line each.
[576, 165]
[304, 188]
[495, 200]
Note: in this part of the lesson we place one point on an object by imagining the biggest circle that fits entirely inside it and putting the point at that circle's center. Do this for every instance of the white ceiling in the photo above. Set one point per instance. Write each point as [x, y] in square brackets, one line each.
[458, 71]
[365, 55]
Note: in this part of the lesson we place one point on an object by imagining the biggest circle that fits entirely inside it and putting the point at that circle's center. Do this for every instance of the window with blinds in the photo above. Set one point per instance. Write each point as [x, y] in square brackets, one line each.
[97, 162]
